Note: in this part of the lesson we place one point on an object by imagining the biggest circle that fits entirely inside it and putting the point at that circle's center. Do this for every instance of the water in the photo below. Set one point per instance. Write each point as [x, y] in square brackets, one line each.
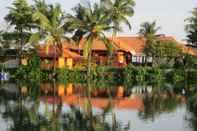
[71, 107]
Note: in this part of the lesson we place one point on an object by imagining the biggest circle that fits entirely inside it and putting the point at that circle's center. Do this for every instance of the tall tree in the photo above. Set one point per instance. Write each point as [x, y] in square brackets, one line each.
[20, 17]
[50, 28]
[191, 28]
[91, 22]
[119, 11]
[163, 52]
[148, 30]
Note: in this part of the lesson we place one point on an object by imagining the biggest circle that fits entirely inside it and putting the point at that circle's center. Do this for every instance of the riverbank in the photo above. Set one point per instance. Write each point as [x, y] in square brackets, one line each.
[129, 74]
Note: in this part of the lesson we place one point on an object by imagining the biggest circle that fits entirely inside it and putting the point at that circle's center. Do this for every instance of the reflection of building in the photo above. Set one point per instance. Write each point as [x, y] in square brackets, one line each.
[126, 50]
[124, 103]
[136, 98]
[73, 96]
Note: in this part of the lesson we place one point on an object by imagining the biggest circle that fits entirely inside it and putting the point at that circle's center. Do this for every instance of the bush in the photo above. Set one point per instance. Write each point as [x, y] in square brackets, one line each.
[192, 104]
[141, 74]
[65, 75]
[176, 75]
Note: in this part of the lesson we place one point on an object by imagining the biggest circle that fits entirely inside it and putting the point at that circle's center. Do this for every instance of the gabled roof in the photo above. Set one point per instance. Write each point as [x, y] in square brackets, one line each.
[134, 45]
[52, 52]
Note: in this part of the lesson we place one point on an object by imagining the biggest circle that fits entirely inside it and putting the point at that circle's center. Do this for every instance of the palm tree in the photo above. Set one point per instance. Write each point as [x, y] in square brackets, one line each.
[20, 17]
[148, 30]
[191, 28]
[50, 27]
[90, 22]
[119, 11]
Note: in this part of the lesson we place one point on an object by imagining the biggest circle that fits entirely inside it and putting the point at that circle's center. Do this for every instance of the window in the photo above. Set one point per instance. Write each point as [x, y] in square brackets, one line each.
[149, 59]
[134, 59]
[139, 59]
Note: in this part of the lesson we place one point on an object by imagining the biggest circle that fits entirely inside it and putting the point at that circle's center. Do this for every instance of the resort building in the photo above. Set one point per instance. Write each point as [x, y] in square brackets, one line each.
[126, 50]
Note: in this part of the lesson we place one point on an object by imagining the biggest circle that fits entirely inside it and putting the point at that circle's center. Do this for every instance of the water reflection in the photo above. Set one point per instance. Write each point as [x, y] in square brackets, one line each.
[58, 107]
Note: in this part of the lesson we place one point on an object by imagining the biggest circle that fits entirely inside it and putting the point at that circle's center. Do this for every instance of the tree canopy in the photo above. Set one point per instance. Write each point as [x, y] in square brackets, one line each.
[191, 28]
[118, 12]
[163, 52]
[149, 30]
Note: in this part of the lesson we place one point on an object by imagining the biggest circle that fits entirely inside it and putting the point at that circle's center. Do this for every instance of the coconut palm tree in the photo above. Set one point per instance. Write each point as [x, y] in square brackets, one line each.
[119, 11]
[90, 22]
[50, 27]
[20, 17]
[149, 30]
[191, 27]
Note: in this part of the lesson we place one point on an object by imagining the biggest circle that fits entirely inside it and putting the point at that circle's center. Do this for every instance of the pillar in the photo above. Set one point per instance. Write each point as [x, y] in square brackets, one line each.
[24, 61]
[61, 62]
[69, 63]
[121, 57]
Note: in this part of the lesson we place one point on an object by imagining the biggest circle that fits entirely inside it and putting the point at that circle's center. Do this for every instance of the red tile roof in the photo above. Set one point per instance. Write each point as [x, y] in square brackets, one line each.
[53, 52]
[134, 45]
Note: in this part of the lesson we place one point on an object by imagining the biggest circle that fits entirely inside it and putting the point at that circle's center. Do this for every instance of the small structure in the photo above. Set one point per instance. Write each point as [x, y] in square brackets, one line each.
[50, 57]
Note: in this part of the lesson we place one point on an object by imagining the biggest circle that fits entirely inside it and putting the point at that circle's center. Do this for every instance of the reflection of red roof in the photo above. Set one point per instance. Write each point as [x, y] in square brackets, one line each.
[51, 51]
[123, 103]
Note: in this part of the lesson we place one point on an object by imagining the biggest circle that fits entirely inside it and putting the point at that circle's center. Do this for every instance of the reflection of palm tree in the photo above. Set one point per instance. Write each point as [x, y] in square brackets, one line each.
[89, 121]
[157, 102]
[77, 120]
[28, 118]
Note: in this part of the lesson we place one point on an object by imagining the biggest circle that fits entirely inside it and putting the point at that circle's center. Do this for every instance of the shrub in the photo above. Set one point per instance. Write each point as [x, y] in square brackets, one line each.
[192, 104]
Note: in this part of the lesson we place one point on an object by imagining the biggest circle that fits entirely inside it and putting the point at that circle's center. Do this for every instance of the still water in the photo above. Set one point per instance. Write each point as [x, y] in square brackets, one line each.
[75, 107]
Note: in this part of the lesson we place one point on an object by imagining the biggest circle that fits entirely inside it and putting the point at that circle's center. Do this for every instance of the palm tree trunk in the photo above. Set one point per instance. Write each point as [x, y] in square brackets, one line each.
[89, 65]
[20, 45]
[111, 56]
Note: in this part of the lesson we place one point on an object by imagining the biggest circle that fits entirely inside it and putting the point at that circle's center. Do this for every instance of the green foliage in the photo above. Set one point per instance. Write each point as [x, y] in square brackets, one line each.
[163, 52]
[28, 73]
[155, 74]
[154, 104]
[192, 75]
[50, 24]
[32, 71]
[118, 12]
[66, 75]
[190, 61]
[34, 61]
[191, 28]
[192, 104]
[176, 75]
[20, 17]
[149, 30]
[141, 74]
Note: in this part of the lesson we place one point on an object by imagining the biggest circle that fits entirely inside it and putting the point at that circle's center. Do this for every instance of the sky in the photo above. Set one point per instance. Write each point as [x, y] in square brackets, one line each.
[170, 15]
